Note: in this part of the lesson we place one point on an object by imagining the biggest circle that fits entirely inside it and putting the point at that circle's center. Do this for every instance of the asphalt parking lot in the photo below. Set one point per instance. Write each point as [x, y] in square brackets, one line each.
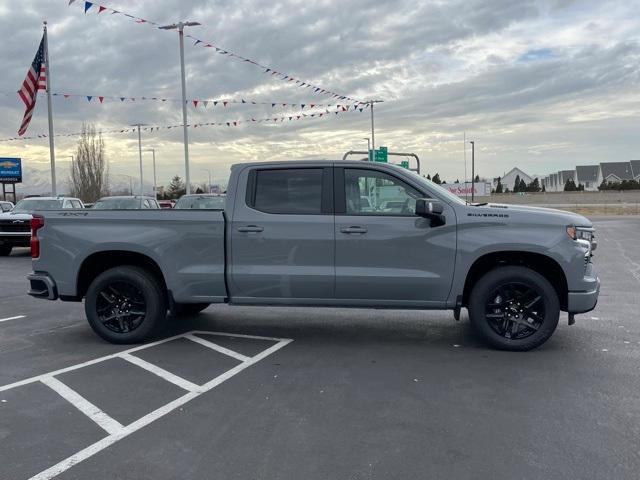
[297, 393]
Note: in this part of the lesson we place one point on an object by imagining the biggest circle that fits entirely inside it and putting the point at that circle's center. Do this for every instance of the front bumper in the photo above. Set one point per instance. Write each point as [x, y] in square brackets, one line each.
[42, 286]
[585, 301]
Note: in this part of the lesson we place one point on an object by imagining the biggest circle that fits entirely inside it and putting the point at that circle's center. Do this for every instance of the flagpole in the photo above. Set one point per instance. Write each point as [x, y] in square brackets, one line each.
[50, 112]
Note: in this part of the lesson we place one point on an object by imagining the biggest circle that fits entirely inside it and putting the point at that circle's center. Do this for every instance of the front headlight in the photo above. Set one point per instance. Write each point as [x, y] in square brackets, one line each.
[584, 236]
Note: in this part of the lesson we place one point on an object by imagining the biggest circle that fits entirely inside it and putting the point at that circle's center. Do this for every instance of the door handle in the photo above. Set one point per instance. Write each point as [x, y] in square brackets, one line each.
[250, 229]
[354, 229]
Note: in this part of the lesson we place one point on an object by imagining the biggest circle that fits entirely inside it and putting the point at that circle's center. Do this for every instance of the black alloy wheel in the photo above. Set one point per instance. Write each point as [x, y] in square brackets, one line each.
[121, 307]
[515, 310]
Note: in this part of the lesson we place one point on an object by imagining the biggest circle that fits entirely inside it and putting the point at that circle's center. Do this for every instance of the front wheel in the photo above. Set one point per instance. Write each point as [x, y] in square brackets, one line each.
[126, 305]
[514, 308]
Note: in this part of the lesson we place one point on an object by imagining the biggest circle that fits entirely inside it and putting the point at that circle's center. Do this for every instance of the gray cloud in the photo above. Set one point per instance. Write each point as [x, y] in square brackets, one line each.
[442, 67]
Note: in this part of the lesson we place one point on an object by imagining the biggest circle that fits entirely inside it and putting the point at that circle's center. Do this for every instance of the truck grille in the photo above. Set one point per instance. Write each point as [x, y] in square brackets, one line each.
[15, 226]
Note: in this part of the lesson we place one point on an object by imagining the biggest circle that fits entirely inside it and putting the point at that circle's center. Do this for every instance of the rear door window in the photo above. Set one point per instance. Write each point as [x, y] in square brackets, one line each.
[289, 191]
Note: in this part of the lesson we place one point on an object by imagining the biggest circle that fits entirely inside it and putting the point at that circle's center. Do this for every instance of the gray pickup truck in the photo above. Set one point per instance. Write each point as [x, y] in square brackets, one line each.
[322, 233]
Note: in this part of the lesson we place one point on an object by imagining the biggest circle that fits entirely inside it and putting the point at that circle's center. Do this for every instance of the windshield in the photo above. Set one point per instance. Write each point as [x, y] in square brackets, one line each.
[118, 204]
[30, 205]
[205, 202]
[442, 192]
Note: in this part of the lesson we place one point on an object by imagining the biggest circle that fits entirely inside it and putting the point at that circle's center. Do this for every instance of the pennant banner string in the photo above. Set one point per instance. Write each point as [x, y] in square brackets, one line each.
[234, 123]
[87, 6]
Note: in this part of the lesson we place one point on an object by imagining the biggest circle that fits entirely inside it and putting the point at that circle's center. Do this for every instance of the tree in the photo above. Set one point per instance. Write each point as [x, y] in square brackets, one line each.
[176, 188]
[516, 184]
[570, 185]
[428, 177]
[523, 186]
[436, 179]
[499, 186]
[89, 177]
[457, 181]
[534, 186]
[477, 178]
[544, 189]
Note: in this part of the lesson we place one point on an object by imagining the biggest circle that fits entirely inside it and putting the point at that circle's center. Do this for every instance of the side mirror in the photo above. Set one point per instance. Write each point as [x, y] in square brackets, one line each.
[431, 209]
[428, 208]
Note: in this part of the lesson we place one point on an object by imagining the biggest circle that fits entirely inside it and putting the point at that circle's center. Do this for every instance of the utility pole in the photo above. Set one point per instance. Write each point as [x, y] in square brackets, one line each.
[473, 169]
[140, 153]
[180, 26]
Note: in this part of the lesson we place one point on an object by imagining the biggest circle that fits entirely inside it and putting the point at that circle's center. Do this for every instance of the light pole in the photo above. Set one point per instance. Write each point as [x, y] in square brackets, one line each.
[155, 186]
[180, 26]
[473, 169]
[368, 146]
[140, 153]
[209, 172]
[373, 135]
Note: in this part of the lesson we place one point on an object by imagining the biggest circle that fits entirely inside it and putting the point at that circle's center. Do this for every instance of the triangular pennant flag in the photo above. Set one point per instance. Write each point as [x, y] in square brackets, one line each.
[243, 101]
[141, 20]
[66, 95]
[195, 103]
[101, 99]
[302, 106]
[312, 105]
[215, 103]
[208, 45]
[273, 105]
[235, 124]
[206, 102]
[71, 1]
[225, 103]
[87, 6]
[89, 97]
[228, 124]
[197, 42]
[122, 99]
[133, 99]
[101, 9]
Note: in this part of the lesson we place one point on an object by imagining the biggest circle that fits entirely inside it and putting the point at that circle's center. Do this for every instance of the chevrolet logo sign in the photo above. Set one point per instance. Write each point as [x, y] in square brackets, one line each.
[8, 164]
[18, 221]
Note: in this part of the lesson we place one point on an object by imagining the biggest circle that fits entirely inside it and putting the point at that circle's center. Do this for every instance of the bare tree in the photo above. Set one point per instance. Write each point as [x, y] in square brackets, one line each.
[89, 170]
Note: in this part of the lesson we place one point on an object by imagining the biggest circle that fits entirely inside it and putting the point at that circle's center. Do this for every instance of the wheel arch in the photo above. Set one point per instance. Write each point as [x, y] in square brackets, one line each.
[538, 262]
[99, 262]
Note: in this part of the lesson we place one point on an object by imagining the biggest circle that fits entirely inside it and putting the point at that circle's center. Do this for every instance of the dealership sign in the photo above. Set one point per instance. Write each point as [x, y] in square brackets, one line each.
[480, 189]
[10, 170]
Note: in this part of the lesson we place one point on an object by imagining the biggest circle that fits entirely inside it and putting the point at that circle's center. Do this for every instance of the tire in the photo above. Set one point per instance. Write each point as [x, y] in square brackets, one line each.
[5, 250]
[126, 304]
[514, 308]
[180, 309]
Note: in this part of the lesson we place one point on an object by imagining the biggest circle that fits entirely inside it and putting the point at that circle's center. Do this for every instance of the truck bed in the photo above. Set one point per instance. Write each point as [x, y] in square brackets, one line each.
[186, 245]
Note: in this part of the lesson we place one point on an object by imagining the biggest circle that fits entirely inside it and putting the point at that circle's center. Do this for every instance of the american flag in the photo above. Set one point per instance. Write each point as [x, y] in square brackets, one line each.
[35, 80]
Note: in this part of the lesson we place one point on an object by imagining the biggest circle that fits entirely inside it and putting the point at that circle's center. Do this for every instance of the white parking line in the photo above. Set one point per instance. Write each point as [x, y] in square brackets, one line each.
[217, 348]
[110, 425]
[161, 372]
[160, 412]
[11, 318]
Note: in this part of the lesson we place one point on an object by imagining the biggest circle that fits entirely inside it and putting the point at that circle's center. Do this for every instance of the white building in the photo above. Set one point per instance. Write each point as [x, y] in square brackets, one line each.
[588, 176]
[509, 179]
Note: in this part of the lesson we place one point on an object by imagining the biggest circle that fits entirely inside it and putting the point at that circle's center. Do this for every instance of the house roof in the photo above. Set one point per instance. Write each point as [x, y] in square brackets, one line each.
[621, 170]
[564, 175]
[517, 171]
[635, 166]
[587, 173]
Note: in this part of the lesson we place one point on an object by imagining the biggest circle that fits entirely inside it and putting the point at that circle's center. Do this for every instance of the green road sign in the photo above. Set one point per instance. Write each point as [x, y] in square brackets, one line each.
[404, 164]
[380, 155]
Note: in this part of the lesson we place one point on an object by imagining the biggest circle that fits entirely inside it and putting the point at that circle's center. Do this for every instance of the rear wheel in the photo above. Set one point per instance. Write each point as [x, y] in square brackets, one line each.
[514, 308]
[189, 308]
[126, 305]
[5, 250]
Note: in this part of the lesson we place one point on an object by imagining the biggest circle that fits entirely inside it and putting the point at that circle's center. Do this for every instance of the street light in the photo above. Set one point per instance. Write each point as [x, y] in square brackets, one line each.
[209, 172]
[473, 169]
[155, 187]
[373, 135]
[140, 152]
[180, 26]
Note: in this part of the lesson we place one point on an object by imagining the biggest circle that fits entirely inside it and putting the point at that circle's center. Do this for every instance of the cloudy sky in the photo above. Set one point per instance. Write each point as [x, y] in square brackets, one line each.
[543, 85]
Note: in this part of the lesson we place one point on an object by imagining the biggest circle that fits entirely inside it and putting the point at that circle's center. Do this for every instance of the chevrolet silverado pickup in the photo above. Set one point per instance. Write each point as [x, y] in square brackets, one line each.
[322, 233]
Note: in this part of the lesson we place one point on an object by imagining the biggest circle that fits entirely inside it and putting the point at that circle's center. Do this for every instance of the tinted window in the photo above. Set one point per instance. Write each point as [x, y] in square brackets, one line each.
[32, 204]
[295, 190]
[201, 202]
[369, 192]
[116, 203]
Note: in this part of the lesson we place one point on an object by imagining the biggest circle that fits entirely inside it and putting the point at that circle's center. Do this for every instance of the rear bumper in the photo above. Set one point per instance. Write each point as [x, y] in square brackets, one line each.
[15, 240]
[581, 302]
[42, 286]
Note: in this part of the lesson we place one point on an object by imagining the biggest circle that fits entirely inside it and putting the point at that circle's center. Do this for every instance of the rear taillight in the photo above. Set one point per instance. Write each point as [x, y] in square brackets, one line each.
[37, 222]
